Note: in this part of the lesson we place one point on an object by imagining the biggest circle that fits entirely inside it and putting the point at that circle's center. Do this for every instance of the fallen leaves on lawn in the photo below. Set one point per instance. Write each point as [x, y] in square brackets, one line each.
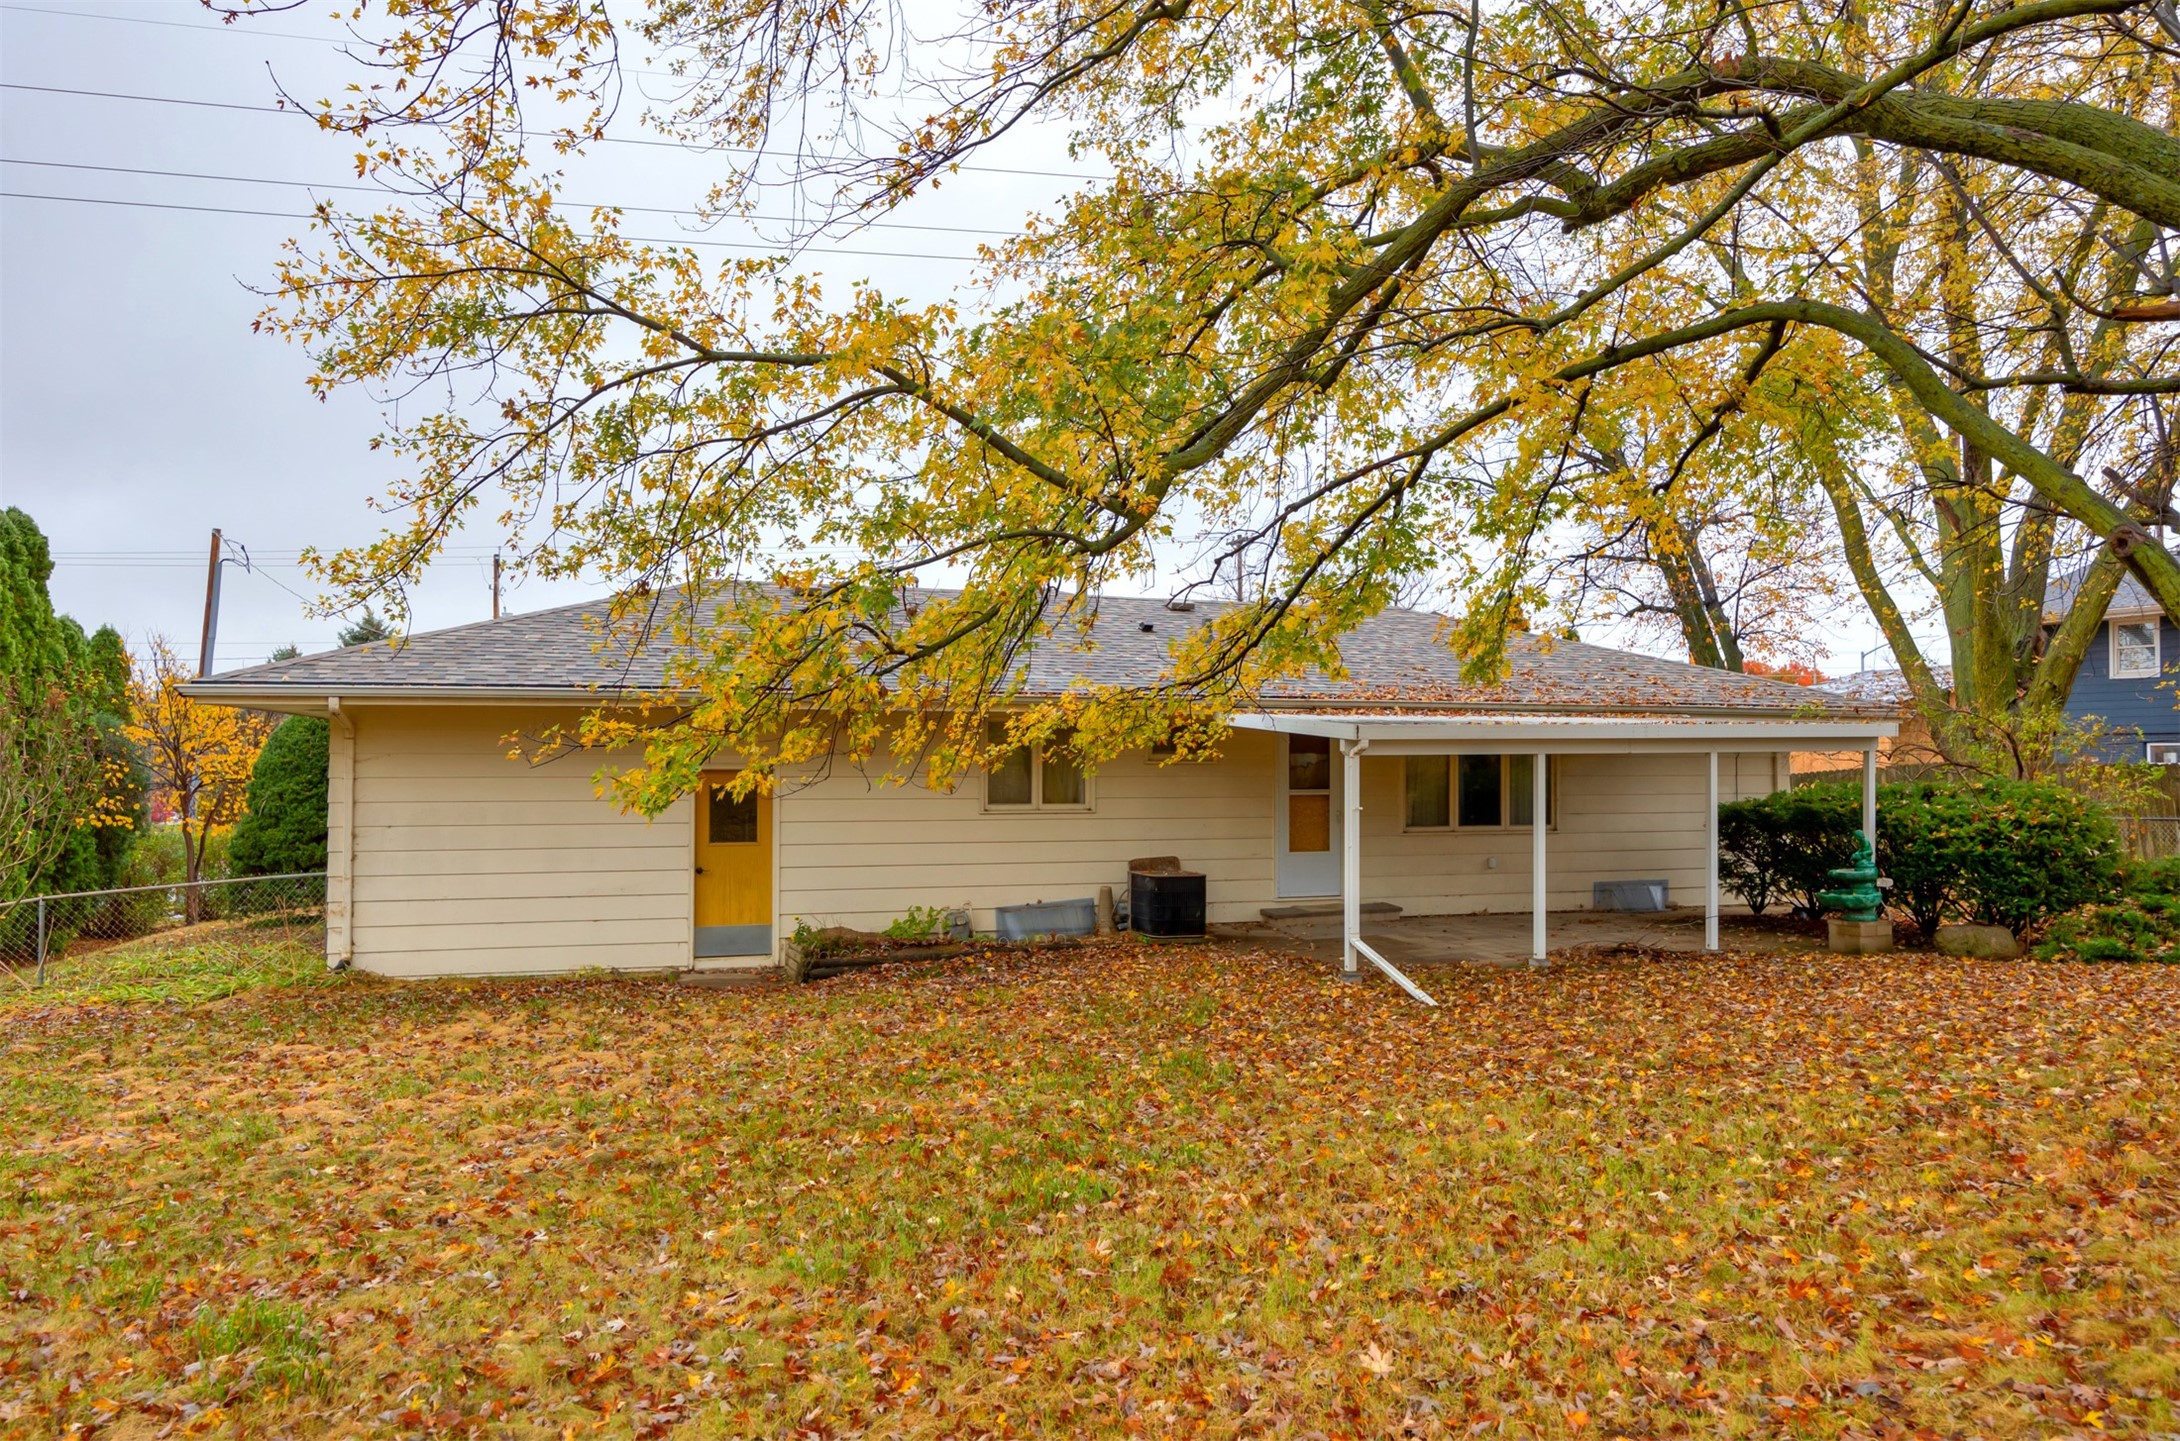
[1200, 1191]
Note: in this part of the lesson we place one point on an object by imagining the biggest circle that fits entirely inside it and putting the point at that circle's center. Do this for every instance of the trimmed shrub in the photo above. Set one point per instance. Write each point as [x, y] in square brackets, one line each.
[2022, 851]
[284, 828]
[1999, 852]
[1921, 826]
[1779, 847]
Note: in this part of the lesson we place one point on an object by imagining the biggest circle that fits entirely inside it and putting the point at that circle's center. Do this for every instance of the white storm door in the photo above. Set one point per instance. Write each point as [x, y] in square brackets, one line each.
[1308, 820]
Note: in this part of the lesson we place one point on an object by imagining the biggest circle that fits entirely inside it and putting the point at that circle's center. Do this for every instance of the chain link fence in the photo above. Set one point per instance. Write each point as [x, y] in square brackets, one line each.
[41, 932]
[2150, 838]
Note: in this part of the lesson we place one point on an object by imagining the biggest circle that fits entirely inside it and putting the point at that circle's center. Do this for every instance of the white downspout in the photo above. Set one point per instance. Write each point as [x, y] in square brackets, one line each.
[345, 952]
[1710, 867]
[1869, 795]
[1539, 896]
[1351, 857]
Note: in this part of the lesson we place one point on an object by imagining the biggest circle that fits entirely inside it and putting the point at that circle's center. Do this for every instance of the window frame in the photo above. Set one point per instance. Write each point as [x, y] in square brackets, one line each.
[1506, 822]
[2150, 754]
[2157, 649]
[1037, 803]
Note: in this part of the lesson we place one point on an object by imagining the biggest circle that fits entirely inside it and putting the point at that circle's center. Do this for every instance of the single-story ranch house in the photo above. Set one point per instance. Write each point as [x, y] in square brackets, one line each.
[1400, 783]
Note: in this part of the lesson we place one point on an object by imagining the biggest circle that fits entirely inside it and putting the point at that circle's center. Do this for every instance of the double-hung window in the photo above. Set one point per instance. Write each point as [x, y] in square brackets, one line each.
[1041, 777]
[2134, 649]
[1477, 792]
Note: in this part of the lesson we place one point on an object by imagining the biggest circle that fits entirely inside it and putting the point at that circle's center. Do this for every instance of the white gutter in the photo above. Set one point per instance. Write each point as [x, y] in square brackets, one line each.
[296, 697]
[1429, 734]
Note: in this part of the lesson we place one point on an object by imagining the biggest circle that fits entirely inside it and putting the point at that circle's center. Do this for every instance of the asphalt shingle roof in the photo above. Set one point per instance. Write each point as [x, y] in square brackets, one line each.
[1883, 688]
[1398, 659]
[2132, 597]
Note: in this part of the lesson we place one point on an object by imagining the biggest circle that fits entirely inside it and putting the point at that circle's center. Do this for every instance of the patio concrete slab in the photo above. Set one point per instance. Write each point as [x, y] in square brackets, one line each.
[1502, 938]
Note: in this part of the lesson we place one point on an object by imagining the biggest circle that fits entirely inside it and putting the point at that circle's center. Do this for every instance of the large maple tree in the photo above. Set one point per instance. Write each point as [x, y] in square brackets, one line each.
[1366, 292]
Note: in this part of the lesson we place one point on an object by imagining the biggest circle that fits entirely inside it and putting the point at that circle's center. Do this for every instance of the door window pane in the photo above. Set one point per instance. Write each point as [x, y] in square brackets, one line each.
[1007, 782]
[2134, 648]
[1309, 821]
[730, 822]
[1309, 763]
[1429, 794]
[1478, 783]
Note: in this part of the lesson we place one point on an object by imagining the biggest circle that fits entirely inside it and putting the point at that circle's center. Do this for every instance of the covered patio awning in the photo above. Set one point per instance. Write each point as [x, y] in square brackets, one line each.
[1410, 732]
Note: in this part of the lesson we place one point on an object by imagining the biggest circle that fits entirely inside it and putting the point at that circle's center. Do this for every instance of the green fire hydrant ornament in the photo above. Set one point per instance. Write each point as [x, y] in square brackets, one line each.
[1857, 898]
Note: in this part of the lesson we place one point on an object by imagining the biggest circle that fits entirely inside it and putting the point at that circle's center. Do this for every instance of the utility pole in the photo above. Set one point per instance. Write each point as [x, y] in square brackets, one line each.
[495, 585]
[211, 609]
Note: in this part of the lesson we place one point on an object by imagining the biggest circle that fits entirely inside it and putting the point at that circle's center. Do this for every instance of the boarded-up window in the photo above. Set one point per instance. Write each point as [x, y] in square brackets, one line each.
[730, 821]
[1429, 791]
[1309, 821]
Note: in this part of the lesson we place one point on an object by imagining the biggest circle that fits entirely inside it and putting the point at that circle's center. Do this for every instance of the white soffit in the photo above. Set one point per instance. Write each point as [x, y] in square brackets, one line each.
[1435, 735]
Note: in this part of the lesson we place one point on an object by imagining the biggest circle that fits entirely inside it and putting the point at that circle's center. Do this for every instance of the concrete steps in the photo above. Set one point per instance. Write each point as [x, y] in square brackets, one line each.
[1325, 908]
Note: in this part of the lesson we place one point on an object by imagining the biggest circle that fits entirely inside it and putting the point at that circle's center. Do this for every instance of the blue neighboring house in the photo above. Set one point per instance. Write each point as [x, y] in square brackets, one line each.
[2130, 680]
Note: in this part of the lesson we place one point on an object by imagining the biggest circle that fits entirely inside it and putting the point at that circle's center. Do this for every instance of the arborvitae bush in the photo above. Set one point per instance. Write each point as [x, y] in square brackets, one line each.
[284, 829]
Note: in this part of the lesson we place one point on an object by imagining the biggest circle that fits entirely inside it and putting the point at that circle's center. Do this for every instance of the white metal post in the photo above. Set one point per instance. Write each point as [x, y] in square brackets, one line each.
[1869, 795]
[1540, 797]
[1710, 864]
[1350, 857]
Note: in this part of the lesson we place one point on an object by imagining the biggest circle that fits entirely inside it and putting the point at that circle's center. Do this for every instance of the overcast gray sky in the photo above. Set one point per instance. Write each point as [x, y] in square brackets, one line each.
[137, 408]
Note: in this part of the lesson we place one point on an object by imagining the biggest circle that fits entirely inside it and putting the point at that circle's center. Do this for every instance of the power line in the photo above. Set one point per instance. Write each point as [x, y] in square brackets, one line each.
[279, 555]
[638, 239]
[152, 205]
[682, 146]
[398, 195]
[253, 31]
[180, 24]
[186, 560]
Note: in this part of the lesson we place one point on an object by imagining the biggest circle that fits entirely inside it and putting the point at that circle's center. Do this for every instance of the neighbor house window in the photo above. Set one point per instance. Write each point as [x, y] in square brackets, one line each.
[2162, 753]
[1477, 792]
[2134, 648]
[1044, 776]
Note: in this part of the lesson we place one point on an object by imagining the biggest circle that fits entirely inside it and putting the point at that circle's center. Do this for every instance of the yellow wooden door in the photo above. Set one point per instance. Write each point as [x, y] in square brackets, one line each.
[733, 869]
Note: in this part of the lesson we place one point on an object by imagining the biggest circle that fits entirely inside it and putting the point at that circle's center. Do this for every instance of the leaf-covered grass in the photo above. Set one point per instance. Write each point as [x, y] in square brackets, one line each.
[1201, 1192]
[189, 966]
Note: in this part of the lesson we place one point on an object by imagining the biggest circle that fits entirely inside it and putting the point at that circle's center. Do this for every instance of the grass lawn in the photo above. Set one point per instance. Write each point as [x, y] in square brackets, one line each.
[1190, 1192]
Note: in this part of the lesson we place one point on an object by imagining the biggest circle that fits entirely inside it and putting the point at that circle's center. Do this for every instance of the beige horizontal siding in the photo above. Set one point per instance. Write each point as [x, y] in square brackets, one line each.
[1620, 817]
[855, 854]
[467, 862]
[418, 963]
[398, 856]
[470, 863]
